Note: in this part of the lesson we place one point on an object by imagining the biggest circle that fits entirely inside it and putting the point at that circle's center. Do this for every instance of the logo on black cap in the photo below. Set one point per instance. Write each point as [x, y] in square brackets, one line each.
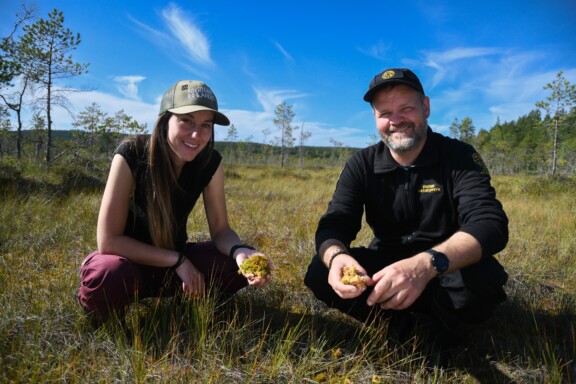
[388, 74]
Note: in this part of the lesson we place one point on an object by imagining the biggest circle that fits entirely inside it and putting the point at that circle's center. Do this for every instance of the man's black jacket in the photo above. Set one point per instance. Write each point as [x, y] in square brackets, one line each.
[411, 209]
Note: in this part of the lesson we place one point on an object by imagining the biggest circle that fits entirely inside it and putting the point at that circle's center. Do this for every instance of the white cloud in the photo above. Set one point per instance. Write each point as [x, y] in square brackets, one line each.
[182, 37]
[485, 84]
[283, 51]
[188, 34]
[254, 123]
[445, 63]
[128, 86]
[250, 123]
[158, 37]
[270, 98]
[378, 51]
[517, 95]
[110, 104]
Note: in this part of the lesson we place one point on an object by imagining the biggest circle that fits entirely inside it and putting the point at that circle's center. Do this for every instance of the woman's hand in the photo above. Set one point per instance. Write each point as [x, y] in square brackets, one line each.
[192, 280]
[243, 254]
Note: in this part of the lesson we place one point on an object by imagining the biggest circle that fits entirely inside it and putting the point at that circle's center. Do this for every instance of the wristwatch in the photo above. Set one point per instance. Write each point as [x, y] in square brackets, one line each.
[440, 261]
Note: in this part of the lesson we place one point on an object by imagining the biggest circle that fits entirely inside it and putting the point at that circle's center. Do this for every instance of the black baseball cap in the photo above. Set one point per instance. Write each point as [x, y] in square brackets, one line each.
[393, 76]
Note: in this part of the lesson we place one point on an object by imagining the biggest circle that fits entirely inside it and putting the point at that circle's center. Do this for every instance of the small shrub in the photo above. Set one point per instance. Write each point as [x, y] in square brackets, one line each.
[10, 170]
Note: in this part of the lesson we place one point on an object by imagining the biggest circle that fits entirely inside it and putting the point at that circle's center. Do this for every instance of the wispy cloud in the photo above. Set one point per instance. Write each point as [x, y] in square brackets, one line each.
[144, 113]
[283, 51]
[378, 51]
[158, 37]
[181, 35]
[128, 86]
[253, 123]
[444, 61]
[270, 98]
[188, 34]
[485, 84]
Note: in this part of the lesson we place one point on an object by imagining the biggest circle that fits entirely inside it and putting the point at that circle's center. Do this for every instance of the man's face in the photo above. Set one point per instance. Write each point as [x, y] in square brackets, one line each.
[401, 115]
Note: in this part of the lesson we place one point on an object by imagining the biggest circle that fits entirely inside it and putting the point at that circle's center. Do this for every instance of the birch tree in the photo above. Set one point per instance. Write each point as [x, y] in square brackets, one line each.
[558, 106]
[283, 121]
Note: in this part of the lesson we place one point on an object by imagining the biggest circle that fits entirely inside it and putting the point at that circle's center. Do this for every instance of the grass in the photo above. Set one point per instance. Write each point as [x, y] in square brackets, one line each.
[278, 334]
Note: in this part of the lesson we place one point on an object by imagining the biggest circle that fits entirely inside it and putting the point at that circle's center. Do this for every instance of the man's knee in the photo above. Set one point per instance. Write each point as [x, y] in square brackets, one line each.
[486, 278]
[316, 279]
[472, 294]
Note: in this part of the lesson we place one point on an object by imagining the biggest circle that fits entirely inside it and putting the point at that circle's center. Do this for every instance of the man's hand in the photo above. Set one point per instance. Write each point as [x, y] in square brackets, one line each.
[346, 291]
[399, 285]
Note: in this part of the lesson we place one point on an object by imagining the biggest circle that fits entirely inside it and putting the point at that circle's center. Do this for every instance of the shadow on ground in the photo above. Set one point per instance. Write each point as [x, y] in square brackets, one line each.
[515, 345]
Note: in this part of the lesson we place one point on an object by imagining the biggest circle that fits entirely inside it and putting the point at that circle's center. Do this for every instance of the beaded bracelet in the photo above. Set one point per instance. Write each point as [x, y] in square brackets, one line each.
[238, 246]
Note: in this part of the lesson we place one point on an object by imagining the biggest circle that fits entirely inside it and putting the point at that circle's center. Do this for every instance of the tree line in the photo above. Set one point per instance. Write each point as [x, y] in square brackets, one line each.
[541, 142]
[36, 56]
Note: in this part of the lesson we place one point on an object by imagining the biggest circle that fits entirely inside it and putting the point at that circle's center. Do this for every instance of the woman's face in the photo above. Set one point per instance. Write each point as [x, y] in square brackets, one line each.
[189, 134]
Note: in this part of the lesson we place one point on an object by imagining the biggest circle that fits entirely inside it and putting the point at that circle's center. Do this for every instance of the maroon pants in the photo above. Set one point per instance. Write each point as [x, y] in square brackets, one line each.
[111, 282]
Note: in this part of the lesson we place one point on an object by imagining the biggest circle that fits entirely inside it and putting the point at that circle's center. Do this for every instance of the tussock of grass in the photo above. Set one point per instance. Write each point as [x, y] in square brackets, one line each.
[280, 333]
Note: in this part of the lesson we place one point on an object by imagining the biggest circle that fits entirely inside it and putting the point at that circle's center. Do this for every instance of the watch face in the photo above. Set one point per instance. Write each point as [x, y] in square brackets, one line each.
[440, 262]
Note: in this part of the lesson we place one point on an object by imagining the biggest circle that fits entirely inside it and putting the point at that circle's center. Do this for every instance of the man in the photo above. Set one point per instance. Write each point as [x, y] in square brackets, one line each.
[434, 215]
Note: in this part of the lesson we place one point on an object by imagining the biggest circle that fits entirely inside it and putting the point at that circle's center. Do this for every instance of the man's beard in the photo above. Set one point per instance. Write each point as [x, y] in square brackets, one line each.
[405, 144]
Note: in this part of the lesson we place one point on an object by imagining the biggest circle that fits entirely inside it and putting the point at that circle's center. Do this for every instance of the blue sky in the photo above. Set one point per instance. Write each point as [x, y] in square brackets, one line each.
[483, 59]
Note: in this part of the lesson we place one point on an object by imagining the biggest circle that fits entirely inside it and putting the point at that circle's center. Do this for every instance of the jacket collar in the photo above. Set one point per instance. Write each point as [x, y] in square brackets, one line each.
[384, 162]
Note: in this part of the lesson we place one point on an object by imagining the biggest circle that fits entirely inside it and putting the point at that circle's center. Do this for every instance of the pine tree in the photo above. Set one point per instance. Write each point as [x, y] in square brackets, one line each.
[464, 130]
[14, 67]
[45, 49]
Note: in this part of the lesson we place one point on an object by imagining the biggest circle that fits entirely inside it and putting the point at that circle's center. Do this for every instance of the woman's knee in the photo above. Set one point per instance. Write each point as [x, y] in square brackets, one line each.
[107, 282]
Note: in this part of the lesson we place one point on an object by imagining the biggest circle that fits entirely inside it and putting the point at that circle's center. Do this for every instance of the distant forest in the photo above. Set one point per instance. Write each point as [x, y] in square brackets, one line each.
[84, 147]
[524, 146]
[529, 145]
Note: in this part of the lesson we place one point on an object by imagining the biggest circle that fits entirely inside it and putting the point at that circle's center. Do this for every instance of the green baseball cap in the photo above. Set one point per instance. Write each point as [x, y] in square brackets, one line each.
[188, 96]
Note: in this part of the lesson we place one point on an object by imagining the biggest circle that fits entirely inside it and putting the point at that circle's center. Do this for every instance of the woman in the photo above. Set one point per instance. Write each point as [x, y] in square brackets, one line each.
[152, 187]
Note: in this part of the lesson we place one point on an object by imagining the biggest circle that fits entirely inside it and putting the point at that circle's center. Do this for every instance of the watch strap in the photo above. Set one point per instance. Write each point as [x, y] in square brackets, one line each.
[440, 261]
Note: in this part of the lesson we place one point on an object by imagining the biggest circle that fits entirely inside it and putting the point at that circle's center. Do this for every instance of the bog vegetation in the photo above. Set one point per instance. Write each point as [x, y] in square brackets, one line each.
[279, 334]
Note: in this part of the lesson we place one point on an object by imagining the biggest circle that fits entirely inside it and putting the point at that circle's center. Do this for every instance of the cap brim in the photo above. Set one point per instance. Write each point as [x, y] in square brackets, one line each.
[372, 91]
[219, 118]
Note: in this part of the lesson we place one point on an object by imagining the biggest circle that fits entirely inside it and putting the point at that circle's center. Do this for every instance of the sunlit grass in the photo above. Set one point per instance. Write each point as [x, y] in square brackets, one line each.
[542, 214]
[280, 333]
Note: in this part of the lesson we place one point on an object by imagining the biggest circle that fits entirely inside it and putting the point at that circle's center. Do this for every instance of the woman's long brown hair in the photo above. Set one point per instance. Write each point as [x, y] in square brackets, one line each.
[161, 181]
